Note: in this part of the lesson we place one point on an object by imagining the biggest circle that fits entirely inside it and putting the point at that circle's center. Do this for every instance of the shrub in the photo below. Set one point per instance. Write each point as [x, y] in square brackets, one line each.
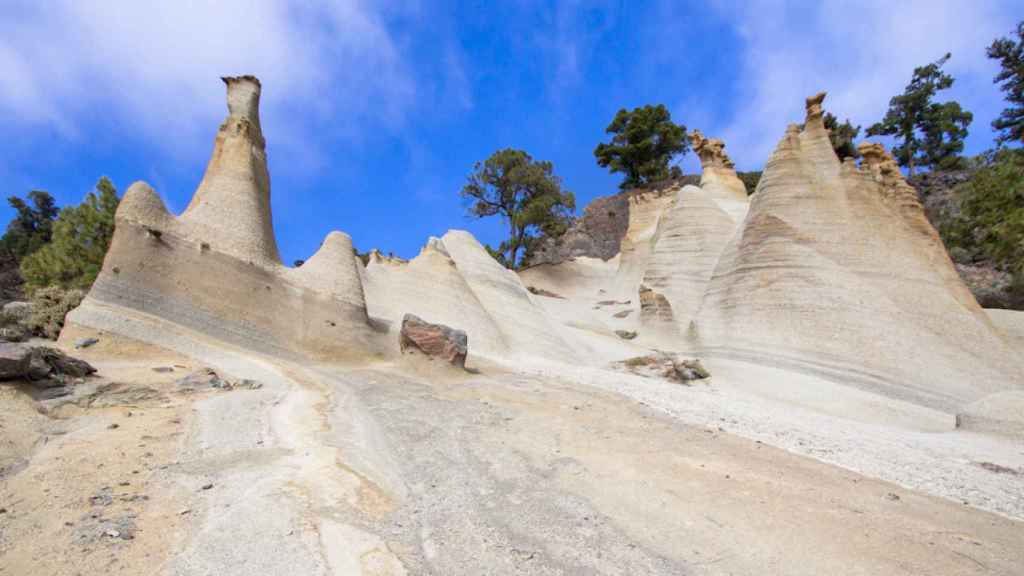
[990, 225]
[49, 307]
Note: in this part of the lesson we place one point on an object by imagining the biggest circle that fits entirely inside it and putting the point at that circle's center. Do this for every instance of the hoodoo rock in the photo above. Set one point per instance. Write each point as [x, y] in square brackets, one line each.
[837, 271]
[435, 340]
[215, 270]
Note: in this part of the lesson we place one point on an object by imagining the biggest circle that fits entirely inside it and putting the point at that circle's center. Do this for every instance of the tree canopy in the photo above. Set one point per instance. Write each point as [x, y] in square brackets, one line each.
[525, 193]
[81, 235]
[928, 133]
[32, 226]
[643, 143]
[1010, 55]
[842, 136]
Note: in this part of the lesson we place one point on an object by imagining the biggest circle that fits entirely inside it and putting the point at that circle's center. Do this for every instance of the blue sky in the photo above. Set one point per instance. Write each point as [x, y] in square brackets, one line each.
[375, 111]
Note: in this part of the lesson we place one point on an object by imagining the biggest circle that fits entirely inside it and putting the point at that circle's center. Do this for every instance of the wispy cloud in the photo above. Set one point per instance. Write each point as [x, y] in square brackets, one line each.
[152, 66]
[862, 54]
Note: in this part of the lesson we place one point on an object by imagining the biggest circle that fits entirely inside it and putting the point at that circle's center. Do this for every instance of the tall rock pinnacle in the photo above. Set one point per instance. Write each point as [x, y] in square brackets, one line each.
[718, 172]
[231, 207]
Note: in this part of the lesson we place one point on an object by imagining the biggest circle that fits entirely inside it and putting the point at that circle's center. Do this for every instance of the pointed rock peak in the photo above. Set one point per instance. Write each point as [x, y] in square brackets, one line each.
[434, 244]
[141, 204]
[880, 164]
[243, 96]
[711, 151]
[231, 208]
[718, 172]
[815, 114]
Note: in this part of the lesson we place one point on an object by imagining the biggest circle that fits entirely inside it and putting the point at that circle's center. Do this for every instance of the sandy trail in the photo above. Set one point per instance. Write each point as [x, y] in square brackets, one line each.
[382, 471]
[394, 470]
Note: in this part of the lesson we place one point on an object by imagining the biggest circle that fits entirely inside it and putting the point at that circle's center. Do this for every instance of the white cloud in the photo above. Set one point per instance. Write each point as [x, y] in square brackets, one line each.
[153, 66]
[860, 53]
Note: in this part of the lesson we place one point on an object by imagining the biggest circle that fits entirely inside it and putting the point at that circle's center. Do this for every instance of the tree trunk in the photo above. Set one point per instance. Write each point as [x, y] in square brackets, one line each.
[513, 247]
[910, 167]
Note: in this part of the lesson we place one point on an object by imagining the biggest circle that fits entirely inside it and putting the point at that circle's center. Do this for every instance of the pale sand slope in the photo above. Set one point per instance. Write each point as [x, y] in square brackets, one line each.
[395, 470]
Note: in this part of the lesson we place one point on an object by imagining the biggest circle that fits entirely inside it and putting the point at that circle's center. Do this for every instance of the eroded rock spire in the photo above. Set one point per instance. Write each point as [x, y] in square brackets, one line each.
[231, 208]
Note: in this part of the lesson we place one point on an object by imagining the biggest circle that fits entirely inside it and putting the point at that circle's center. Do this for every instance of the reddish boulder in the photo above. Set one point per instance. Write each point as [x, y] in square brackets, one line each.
[434, 340]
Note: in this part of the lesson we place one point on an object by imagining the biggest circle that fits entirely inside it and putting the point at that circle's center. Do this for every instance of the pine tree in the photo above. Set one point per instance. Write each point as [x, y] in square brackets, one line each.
[644, 141]
[81, 236]
[1011, 79]
[525, 193]
[32, 227]
[842, 136]
[928, 133]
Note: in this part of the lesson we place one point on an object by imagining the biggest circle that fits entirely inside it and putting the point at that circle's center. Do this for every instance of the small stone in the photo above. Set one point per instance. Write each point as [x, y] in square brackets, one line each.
[625, 334]
[85, 342]
[113, 533]
[207, 486]
[892, 496]
[113, 426]
[163, 369]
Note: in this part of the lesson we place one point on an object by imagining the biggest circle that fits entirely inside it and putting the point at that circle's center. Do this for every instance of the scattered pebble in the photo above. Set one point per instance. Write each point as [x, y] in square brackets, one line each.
[207, 486]
[892, 496]
[113, 426]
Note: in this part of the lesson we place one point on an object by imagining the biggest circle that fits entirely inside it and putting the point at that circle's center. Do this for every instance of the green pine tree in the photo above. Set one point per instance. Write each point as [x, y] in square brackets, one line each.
[927, 133]
[81, 235]
[32, 227]
[644, 141]
[526, 193]
[1010, 55]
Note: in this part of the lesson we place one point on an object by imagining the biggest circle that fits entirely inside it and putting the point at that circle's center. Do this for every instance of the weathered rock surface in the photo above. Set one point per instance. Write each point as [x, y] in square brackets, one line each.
[836, 270]
[14, 360]
[435, 340]
[206, 379]
[17, 310]
[598, 233]
[668, 365]
[48, 371]
[216, 269]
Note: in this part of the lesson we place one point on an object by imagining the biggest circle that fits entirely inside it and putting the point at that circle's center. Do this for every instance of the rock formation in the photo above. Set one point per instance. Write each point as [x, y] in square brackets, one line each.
[832, 269]
[836, 270]
[216, 269]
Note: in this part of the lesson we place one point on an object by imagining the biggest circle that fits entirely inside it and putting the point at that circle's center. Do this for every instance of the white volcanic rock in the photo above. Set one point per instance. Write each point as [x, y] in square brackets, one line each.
[431, 286]
[836, 270]
[231, 208]
[523, 325]
[216, 268]
[692, 233]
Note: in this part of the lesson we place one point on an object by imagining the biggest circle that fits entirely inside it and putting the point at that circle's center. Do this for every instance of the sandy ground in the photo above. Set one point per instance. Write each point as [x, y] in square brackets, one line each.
[401, 469]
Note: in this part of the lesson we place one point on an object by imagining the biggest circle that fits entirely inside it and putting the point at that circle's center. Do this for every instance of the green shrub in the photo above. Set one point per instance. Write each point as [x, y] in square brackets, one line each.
[49, 307]
[990, 225]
